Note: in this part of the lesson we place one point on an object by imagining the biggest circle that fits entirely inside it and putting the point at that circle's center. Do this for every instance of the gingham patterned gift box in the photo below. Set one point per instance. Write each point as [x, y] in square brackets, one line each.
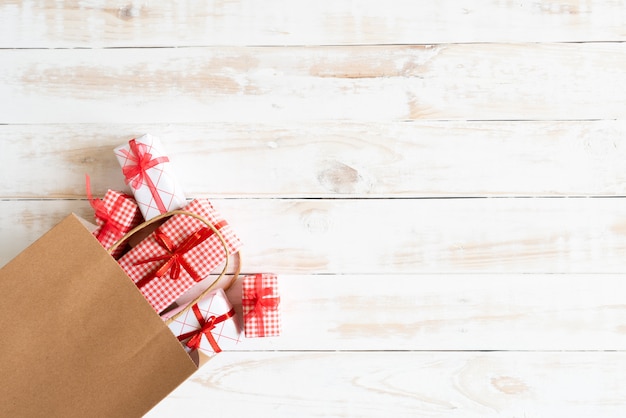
[209, 326]
[261, 305]
[115, 215]
[181, 266]
[148, 172]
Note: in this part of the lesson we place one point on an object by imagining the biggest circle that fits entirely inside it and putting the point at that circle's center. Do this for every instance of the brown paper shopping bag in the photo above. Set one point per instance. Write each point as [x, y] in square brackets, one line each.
[77, 339]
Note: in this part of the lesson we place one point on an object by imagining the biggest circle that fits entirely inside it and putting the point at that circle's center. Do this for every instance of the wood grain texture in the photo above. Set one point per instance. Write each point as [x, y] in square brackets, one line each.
[329, 159]
[380, 236]
[45, 24]
[447, 312]
[429, 180]
[369, 83]
[430, 311]
[405, 384]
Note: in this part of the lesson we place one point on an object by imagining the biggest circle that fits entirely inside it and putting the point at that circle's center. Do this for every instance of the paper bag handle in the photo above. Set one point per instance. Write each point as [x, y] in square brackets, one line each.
[217, 233]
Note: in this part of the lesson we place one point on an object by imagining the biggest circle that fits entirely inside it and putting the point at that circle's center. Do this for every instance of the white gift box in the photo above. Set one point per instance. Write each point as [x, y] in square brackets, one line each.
[148, 172]
[219, 320]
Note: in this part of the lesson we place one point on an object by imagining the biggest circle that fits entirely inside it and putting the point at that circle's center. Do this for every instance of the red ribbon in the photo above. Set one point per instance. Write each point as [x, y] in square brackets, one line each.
[261, 302]
[174, 257]
[107, 223]
[205, 329]
[136, 174]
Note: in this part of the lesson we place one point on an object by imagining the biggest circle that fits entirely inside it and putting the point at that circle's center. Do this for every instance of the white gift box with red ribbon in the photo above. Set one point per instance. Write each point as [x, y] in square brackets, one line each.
[148, 172]
[210, 326]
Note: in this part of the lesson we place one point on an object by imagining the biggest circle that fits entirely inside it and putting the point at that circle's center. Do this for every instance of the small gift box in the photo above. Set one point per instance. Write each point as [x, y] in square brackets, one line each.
[115, 215]
[260, 302]
[210, 326]
[148, 172]
[181, 252]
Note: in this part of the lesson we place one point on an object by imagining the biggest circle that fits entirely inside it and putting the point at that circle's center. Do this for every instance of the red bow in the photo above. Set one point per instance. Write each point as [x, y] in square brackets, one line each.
[104, 216]
[205, 329]
[136, 174]
[175, 260]
[261, 301]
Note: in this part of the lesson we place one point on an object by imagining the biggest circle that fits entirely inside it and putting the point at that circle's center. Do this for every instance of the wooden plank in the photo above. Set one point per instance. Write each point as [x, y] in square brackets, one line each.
[447, 312]
[422, 311]
[369, 83]
[99, 23]
[379, 236]
[403, 384]
[329, 159]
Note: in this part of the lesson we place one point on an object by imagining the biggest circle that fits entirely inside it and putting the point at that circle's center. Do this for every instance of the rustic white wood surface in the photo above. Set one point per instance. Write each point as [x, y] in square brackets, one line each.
[440, 186]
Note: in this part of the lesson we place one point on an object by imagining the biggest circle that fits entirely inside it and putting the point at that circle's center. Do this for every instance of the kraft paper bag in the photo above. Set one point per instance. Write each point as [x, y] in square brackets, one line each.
[77, 338]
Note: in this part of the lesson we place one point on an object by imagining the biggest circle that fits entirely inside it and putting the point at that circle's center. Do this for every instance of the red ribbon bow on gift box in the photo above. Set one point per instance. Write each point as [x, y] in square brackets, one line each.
[174, 257]
[104, 216]
[205, 329]
[261, 301]
[136, 174]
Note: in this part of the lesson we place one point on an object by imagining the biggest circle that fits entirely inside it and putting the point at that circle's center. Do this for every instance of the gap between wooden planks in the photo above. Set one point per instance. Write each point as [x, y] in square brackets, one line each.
[366, 83]
[403, 384]
[392, 236]
[330, 159]
[48, 24]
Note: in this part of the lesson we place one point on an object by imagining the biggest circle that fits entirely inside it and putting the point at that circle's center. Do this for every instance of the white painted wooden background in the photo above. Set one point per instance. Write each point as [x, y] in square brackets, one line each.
[439, 184]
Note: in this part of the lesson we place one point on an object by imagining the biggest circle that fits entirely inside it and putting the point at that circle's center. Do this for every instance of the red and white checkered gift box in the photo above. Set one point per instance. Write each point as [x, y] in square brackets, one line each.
[178, 254]
[209, 326]
[115, 215]
[261, 305]
[148, 172]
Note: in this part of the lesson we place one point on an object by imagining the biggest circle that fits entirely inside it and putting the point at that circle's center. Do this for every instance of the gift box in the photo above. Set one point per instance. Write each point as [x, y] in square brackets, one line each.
[261, 305]
[181, 252]
[210, 326]
[148, 172]
[115, 215]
